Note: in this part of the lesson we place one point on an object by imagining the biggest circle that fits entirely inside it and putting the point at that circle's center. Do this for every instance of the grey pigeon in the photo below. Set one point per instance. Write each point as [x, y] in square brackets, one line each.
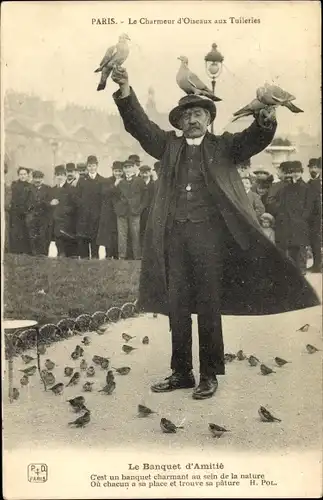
[273, 95]
[114, 56]
[190, 83]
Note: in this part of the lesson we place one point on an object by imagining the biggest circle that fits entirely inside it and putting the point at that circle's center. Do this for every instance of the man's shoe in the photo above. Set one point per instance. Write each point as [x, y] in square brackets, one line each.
[206, 387]
[175, 381]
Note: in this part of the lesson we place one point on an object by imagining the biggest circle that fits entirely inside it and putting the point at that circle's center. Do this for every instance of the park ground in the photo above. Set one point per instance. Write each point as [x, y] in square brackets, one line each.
[39, 418]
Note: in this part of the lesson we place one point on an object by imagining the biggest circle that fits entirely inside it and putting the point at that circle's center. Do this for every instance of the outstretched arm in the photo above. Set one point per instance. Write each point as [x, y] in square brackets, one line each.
[151, 138]
[251, 141]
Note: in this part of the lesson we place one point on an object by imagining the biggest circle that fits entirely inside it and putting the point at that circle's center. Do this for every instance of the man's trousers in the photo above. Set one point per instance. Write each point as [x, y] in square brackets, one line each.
[129, 226]
[196, 252]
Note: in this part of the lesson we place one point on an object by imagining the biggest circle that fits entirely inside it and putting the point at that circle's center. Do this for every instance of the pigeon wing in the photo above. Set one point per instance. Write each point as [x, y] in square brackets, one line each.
[196, 82]
[108, 56]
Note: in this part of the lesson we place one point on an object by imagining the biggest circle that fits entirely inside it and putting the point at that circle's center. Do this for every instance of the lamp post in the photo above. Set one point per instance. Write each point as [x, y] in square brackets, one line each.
[213, 66]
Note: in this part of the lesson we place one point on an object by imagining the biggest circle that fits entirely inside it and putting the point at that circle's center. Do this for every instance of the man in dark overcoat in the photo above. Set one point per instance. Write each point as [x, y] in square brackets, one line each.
[292, 205]
[315, 220]
[89, 201]
[18, 234]
[108, 232]
[145, 172]
[63, 214]
[38, 218]
[204, 250]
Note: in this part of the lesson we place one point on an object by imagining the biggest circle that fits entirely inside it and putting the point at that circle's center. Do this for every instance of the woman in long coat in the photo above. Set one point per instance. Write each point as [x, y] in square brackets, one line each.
[18, 234]
[257, 279]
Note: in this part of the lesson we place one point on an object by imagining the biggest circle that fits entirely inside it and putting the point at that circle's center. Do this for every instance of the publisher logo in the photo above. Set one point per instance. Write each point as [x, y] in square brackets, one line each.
[37, 473]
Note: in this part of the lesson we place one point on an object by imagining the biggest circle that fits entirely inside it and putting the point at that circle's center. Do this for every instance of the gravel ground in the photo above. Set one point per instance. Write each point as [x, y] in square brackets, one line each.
[293, 393]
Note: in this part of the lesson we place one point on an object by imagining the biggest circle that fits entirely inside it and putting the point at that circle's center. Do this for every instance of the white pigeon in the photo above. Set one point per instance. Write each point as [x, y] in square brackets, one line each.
[190, 83]
[114, 56]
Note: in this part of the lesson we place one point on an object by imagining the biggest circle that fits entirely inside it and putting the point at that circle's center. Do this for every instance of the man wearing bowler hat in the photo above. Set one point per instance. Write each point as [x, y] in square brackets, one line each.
[204, 249]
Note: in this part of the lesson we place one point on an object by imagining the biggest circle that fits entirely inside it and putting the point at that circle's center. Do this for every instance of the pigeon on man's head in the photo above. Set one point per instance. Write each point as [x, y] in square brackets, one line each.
[190, 83]
[114, 56]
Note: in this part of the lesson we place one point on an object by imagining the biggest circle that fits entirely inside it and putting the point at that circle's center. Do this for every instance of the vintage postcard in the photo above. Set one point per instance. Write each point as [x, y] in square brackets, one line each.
[161, 171]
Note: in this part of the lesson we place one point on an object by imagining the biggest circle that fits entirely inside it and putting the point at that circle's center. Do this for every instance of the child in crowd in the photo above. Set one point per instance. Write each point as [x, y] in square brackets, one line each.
[254, 198]
[267, 222]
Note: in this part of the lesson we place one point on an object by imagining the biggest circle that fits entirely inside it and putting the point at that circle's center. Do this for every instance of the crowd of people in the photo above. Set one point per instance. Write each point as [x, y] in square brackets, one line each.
[84, 210]
[289, 211]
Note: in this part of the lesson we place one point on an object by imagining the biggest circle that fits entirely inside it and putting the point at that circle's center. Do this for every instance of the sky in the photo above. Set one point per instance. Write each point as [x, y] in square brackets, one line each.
[53, 48]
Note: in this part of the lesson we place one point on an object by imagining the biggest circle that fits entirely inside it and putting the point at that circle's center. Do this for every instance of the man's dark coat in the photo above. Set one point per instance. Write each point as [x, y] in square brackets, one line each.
[257, 278]
[291, 205]
[18, 233]
[64, 214]
[107, 233]
[89, 200]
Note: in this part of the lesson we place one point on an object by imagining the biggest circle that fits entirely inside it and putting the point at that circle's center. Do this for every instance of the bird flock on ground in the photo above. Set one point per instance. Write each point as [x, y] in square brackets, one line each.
[87, 370]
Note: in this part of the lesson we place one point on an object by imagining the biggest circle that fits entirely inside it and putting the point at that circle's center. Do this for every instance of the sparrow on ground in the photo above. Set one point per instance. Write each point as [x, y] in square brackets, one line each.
[24, 380]
[144, 411]
[105, 363]
[124, 370]
[50, 365]
[311, 349]
[127, 337]
[77, 401]
[304, 328]
[27, 359]
[58, 388]
[128, 349]
[280, 361]
[266, 416]
[168, 427]
[90, 372]
[86, 341]
[15, 393]
[87, 387]
[68, 370]
[217, 430]
[83, 365]
[29, 371]
[253, 361]
[265, 370]
[49, 377]
[97, 359]
[83, 420]
[75, 379]
[109, 388]
[79, 350]
[240, 355]
[109, 377]
[75, 355]
[191, 83]
[145, 340]
[229, 357]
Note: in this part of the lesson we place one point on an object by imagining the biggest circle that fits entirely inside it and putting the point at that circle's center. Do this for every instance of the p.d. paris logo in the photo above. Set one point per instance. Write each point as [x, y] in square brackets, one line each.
[37, 473]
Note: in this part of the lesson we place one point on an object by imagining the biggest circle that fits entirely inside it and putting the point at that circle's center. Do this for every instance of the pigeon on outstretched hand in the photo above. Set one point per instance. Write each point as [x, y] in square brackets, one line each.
[190, 83]
[273, 95]
[114, 56]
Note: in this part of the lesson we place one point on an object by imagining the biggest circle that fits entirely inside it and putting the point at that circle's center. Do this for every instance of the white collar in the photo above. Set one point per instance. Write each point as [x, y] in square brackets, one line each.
[194, 142]
[93, 176]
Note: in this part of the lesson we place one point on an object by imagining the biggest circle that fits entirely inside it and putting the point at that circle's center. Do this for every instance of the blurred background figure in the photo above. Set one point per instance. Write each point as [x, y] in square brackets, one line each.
[145, 173]
[315, 220]
[81, 171]
[267, 222]
[291, 203]
[63, 205]
[38, 216]
[135, 159]
[129, 200]
[89, 202]
[253, 197]
[19, 241]
[71, 174]
[108, 231]
[261, 187]
[244, 168]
